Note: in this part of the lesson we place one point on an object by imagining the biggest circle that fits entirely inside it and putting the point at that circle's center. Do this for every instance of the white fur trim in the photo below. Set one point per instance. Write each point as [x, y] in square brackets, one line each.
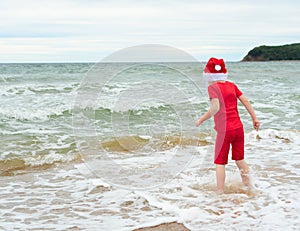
[214, 77]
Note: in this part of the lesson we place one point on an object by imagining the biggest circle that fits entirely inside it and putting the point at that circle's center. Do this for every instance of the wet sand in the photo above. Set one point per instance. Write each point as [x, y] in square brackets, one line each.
[172, 226]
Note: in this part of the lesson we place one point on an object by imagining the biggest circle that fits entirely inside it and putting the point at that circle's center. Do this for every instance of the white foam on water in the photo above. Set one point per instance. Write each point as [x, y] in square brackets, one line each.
[68, 197]
[50, 158]
[73, 198]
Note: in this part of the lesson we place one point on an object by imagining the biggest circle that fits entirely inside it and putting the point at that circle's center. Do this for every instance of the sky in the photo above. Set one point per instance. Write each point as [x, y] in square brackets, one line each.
[90, 30]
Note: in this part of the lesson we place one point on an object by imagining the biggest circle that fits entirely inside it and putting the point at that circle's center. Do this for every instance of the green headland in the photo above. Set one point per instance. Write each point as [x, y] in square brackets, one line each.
[273, 53]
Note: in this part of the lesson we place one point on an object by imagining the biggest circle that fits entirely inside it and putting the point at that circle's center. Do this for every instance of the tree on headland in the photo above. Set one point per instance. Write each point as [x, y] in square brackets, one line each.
[272, 53]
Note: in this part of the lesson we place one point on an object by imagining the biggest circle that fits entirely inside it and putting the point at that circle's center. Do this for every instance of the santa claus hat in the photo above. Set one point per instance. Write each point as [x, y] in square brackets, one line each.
[215, 70]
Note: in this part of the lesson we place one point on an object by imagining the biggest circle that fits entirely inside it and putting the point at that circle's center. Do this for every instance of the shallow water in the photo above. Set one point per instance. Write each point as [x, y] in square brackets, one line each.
[47, 185]
[70, 197]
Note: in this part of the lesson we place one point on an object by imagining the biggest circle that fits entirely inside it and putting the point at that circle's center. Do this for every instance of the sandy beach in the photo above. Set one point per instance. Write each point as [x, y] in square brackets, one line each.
[173, 226]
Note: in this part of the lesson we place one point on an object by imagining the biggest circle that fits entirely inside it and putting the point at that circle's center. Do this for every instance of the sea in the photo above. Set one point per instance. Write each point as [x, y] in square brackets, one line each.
[114, 146]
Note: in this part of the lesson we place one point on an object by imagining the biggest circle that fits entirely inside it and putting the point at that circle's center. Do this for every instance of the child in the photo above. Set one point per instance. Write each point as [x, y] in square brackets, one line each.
[223, 97]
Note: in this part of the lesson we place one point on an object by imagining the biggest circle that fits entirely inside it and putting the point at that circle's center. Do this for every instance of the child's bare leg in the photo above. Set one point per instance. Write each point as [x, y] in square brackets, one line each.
[244, 170]
[220, 174]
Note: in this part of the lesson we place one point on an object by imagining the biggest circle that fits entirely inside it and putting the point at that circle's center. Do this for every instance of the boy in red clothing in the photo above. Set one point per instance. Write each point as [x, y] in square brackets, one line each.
[223, 97]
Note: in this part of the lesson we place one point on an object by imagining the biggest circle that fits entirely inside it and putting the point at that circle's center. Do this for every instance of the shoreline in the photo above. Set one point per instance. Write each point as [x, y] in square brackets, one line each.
[165, 226]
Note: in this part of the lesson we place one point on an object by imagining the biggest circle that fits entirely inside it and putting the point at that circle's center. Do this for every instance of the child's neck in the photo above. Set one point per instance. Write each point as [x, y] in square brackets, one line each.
[219, 81]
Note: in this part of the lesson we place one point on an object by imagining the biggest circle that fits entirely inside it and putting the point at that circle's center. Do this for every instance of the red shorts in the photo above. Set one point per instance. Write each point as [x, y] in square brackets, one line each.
[223, 141]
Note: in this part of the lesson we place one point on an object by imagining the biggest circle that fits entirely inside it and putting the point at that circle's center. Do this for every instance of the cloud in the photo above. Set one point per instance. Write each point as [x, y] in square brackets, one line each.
[74, 29]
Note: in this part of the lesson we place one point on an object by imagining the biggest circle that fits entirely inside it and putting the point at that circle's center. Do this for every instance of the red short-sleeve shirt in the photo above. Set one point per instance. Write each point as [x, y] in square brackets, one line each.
[227, 118]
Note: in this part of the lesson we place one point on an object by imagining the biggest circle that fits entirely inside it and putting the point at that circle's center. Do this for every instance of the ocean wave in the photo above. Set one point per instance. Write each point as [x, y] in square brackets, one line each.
[30, 114]
[39, 89]
[273, 136]
[19, 165]
[142, 144]
[125, 144]
[144, 107]
[119, 145]
[159, 143]
[66, 111]
[149, 108]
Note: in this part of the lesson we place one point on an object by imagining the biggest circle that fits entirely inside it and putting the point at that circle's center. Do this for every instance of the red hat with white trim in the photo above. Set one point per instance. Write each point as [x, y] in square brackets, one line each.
[215, 70]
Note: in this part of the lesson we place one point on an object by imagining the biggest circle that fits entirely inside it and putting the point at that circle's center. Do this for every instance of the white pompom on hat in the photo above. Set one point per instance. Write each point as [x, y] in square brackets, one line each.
[215, 70]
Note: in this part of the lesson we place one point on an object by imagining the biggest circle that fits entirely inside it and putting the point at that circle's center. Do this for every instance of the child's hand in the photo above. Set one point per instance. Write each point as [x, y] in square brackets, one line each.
[256, 124]
[198, 122]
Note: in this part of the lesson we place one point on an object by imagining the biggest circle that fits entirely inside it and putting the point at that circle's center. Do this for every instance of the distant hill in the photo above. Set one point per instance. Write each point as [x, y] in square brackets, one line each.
[270, 53]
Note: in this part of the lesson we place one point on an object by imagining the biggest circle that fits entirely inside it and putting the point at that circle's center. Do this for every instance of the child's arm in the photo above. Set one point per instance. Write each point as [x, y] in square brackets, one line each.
[214, 108]
[250, 110]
